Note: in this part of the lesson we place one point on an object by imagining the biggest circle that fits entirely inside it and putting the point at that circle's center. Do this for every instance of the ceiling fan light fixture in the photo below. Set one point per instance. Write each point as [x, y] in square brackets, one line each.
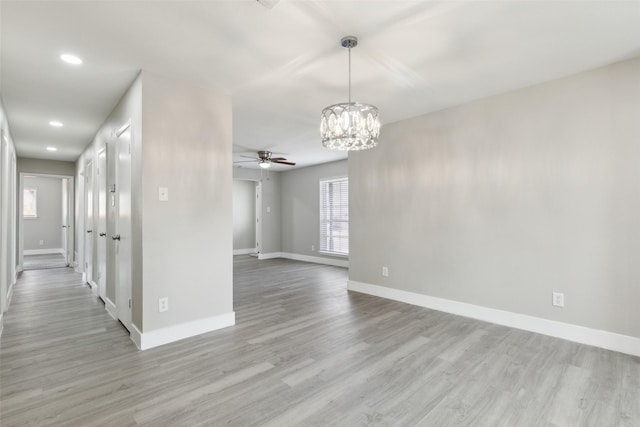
[350, 126]
[264, 164]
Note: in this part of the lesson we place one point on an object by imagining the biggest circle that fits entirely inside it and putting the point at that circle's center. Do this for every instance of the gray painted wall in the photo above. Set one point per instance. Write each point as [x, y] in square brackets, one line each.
[49, 167]
[244, 214]
[270, 205]
[48, 225]
[300, 201]
[501, 201]
[187, 242]
[181, 248]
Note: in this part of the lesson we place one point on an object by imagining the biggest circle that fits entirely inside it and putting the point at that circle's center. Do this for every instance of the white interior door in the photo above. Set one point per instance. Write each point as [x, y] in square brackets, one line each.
[123, 256]
[101, 244]
[88, 221]
[258, 217]
[65, 221]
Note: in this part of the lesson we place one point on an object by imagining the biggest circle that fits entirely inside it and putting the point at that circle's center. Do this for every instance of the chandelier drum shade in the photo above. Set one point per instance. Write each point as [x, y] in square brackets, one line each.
[350, 126]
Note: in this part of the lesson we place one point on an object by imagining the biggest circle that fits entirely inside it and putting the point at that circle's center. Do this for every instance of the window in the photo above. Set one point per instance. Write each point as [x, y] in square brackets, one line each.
[334, 216]
[30, 203]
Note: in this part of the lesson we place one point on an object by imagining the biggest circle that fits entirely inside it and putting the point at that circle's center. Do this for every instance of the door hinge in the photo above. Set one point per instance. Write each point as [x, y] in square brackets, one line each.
[129, 302]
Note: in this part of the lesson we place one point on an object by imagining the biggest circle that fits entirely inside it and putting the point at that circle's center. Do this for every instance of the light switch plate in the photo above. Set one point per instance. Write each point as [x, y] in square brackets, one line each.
[163, 194]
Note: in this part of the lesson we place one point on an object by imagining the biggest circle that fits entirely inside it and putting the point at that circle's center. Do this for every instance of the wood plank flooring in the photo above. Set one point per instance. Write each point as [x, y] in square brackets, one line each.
[39, 262]
[304, 352]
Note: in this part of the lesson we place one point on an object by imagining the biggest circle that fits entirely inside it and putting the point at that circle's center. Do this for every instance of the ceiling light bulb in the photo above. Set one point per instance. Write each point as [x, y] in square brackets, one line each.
[71, 59]
[52, 149]
[56, 124]
[264, 164]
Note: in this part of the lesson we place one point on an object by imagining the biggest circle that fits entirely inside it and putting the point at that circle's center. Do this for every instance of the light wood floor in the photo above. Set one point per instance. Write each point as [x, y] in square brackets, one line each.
[39, 262]
[304, 352]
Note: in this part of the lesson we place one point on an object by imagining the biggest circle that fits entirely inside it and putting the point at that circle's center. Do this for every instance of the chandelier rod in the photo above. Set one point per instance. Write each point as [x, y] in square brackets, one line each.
[349, 74]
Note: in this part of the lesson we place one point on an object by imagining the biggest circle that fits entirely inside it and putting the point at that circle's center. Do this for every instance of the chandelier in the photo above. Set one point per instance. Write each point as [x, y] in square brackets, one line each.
[350, 126]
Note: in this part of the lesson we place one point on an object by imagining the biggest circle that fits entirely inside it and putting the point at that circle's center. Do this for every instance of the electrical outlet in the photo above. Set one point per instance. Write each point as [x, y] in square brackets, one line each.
[313, 248]
[41, 242]
[558, 299]
[163, 304]
[385, 271]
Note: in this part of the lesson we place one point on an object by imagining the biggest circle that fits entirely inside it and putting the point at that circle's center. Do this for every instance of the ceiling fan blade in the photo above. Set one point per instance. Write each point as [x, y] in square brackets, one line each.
[249, 157]
[273, 159]
[245, 161]
[280, 162]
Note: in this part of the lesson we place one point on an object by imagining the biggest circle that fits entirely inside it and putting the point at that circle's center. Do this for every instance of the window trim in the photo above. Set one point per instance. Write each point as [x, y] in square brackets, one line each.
[324, 181]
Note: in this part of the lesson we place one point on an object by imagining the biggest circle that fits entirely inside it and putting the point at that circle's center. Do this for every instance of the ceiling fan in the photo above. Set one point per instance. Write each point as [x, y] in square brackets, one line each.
[264, 160]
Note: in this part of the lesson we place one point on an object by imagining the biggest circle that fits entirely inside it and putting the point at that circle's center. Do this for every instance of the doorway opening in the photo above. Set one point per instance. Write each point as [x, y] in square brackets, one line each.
[247, 221]
[45, 235]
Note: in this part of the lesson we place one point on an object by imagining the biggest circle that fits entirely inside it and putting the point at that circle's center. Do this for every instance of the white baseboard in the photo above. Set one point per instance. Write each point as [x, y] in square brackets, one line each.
[337, 262]
[181, 331]
[10, 294]
[94, 287]
[111, 308]
[84, 277]
[244, 251]
[306, 258]
[43, 251]
[270, 255]
[136, 336]
[580, 334]
[1, 323]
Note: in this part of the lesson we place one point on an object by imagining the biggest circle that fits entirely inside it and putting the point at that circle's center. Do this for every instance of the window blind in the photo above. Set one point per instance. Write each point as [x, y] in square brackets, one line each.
[334, 216]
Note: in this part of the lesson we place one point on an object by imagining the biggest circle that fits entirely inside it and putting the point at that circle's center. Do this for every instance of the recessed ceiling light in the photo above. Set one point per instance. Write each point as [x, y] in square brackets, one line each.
[56, 124]
[52, 149]
[71, 59]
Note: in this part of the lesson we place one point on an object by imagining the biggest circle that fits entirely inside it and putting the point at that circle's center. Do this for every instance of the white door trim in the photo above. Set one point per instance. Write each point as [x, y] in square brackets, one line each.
[70, 213]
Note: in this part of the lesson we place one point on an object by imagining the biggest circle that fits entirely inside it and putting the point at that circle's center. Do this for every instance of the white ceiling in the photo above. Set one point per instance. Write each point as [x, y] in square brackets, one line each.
[283, 65]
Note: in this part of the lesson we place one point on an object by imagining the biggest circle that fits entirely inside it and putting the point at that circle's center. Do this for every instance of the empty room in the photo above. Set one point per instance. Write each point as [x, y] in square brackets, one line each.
[319, 213]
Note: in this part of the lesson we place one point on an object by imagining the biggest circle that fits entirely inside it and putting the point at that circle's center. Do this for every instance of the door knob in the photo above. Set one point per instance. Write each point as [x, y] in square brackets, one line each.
[116, 237]
[103, 234]
[89, 231]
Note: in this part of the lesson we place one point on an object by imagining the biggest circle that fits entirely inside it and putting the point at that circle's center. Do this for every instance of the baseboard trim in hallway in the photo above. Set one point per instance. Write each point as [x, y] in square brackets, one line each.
[111, 308]
[580, 334]
[162, 336]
